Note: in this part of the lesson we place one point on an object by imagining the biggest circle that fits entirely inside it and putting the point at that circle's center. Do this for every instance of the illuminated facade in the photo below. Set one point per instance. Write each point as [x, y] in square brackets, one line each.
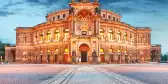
[82, 33]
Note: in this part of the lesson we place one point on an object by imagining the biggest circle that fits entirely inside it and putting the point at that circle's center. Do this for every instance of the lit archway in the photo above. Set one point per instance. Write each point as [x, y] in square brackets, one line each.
[84, 48]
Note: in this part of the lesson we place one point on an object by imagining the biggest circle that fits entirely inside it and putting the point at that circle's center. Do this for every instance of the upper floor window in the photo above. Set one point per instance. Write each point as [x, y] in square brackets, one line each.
[24, 39]
[57, 35]
[48, 35]
[119, 36]
[110, 35]
[53, 18]
[125, 36]
[66, 32]
[104, 16]
[114, 18]
[41, 37]
[84, 32]
[131, 38]
[58, 16]
[109, 17]
[64, 15]
[102, 33]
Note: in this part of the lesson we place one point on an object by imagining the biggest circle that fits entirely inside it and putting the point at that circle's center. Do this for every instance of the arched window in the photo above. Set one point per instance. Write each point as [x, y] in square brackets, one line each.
[42, 37]
[125, 36]
[66, 50]
[102, 33]
[141, 39]
[119, 36]
[131, 37]
[66, 32]
[110, 35]
[110, 50]
[48, 35]
[57, 35]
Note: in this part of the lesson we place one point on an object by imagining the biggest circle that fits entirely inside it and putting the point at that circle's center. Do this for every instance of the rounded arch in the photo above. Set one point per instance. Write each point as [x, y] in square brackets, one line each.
[101, 31]
[66, 50]
[110, 31]
[84, 47]
[101, 50]
[57, 31]
[66, 31]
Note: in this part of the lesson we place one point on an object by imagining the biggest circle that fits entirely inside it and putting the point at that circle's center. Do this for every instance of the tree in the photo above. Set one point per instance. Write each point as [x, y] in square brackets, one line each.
[164, 57]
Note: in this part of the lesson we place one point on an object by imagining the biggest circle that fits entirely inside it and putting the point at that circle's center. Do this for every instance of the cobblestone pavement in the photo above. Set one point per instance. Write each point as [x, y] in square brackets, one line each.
[84, 74]
[28, 74]
[90, 75]
[149, 73]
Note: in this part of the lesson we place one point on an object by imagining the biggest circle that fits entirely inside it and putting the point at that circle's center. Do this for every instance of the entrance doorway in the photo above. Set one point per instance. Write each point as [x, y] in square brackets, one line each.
[83, 56]
[84, 48]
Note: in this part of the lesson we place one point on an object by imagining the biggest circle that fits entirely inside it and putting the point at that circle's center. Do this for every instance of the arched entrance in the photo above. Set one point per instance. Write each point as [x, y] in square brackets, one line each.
[84, 48]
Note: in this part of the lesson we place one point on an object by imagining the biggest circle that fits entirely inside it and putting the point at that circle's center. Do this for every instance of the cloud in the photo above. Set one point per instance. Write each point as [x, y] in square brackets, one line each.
[5, 10]
[133, 6]
[5, 13]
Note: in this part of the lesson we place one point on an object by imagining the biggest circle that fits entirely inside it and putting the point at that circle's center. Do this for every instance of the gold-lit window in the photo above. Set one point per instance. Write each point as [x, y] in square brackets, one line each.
[48, 35]
[41, 37]
[66, 32]
[119, 36]
[66, 50]
[57, 35]
[102, 33]
[125, 36]
[101, 50]
[110, 35]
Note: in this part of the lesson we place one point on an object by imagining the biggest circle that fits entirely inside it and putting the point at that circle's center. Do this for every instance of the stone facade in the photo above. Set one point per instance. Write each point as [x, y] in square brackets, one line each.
[155, 53]
[83, 33]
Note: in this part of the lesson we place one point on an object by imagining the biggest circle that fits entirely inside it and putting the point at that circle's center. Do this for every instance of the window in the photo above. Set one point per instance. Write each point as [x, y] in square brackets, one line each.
[41, 37]
[109, 17]
[24, 39]
[110, 35]
[102, 33]
[125, 36]
[119, 36]
[131, 38]
[114, 18]
[48, 35]
[53, 18]
[57, 35]
[104, 16]
[66, 32]
[84, 33]
[64, 15]
[58, 17]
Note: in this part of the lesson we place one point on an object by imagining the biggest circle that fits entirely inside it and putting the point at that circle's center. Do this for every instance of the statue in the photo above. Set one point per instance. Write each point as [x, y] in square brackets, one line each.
[74, 56]
[71, 10]
[94, 56]
[84, 1]
[98, 10]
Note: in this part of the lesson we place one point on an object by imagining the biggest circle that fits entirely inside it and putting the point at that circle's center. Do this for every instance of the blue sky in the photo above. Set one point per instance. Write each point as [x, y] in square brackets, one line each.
[138, 13]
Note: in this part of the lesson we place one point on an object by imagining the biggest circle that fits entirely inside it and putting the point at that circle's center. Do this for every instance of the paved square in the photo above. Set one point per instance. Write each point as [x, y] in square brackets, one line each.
[84, 74]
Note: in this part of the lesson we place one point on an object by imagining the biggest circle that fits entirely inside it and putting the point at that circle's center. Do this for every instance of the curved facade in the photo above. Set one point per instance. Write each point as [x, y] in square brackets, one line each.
[83, 33]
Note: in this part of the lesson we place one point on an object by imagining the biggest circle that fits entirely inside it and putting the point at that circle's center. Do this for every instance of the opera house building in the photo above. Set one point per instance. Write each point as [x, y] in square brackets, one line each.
[83, 33]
